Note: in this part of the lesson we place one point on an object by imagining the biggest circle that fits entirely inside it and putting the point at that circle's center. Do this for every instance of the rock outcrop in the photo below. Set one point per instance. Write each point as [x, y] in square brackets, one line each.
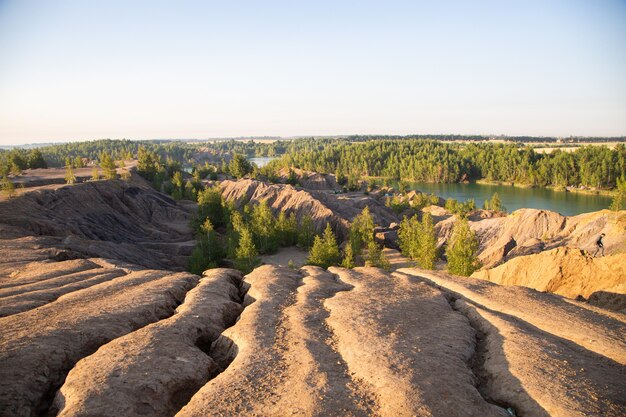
[323, 207]
[127, 221]
[307, 342]
[529, 231]
[39, 346]
[155, 370]
[565, 271]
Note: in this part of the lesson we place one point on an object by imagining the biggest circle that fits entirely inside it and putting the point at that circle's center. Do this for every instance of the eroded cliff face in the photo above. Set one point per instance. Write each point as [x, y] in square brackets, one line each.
[323, 207]
[126, 221]
[530, 231]
[569, 272]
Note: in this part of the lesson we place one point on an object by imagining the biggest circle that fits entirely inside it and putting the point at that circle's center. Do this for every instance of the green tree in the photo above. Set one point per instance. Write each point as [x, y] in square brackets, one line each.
[108, 166]
[207, 252]
[148, 163]
[246, 253]
[427, 243]
[376, 257]
[348, 258]
[177, 180]
[211, 206]
[234, 226]
[36, 160]
[409, 237]
[78, 162]
[361, 231]
[292, 179]
[306, 232]
[239, 166]
[8, 188]
[263, 228]
[95, 176]
[462, 250]
[70, 178]
[125, 175]
[494, 204]
[287, 229]
[190, 191]
[619, 198]
[325, 251]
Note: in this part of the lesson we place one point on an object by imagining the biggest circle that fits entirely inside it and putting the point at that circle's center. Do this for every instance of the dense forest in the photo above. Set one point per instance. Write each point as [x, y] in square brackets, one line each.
[418, 158]
[434, 161]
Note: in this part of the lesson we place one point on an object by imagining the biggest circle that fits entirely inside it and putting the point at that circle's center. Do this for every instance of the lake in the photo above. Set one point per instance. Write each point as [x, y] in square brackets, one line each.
[261, 161]
[513, 198]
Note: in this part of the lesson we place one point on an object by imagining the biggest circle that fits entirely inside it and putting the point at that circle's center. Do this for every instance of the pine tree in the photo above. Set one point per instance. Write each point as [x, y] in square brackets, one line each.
[409, 236]
[348, 258]
[263, 227]
[35, 160]
[95, 176]
[292, 179]
[108, 166]
[427, 243]
[619, 199]
[207, 252]
[190, 191]
[306, 232]
[287, 229]
[8, 188]
[462, 250]
[211, 206]
[361, 231]
[494, 204]
[125, 175]
[376, 257]
[325, 251]
[246, 254]
[239, 166]
[70, 178]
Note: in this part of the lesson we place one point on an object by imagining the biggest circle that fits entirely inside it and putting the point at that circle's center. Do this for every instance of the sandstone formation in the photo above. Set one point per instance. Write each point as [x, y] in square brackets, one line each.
[307, 342]
[565, 271]
[39, 346]
[528, 231]
[155, 370]
[323, 207]
[127, 221]
[545, 355]
[311, 180]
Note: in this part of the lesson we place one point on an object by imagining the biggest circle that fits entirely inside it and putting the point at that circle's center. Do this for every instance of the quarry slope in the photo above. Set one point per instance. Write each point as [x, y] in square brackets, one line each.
[311, 342]
[124, 220]
[324, 207]
[95, 321]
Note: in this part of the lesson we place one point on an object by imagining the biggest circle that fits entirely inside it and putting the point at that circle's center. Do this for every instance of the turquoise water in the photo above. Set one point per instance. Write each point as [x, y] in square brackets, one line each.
[514, 198]
[261, 161]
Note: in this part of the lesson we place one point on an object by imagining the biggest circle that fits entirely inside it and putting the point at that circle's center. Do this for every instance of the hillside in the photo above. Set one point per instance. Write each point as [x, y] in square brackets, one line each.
[96, 318]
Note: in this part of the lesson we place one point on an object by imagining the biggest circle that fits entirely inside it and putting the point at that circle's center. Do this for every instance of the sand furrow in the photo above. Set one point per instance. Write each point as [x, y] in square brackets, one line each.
[156, 369]
[408, 346]
[595, 329]
[38, 347]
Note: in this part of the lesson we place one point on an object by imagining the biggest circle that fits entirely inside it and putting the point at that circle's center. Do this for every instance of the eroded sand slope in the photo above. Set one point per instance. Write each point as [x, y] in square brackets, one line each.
[307, 342]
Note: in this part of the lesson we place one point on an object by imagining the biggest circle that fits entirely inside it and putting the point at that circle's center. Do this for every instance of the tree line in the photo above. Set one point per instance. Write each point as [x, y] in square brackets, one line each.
[447, 162]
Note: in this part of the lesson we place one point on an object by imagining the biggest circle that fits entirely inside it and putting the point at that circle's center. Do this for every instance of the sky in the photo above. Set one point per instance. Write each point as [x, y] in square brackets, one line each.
[141, 69]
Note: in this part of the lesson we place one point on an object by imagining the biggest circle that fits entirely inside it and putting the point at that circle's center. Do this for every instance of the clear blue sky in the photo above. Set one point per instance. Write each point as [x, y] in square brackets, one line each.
[87, 69]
